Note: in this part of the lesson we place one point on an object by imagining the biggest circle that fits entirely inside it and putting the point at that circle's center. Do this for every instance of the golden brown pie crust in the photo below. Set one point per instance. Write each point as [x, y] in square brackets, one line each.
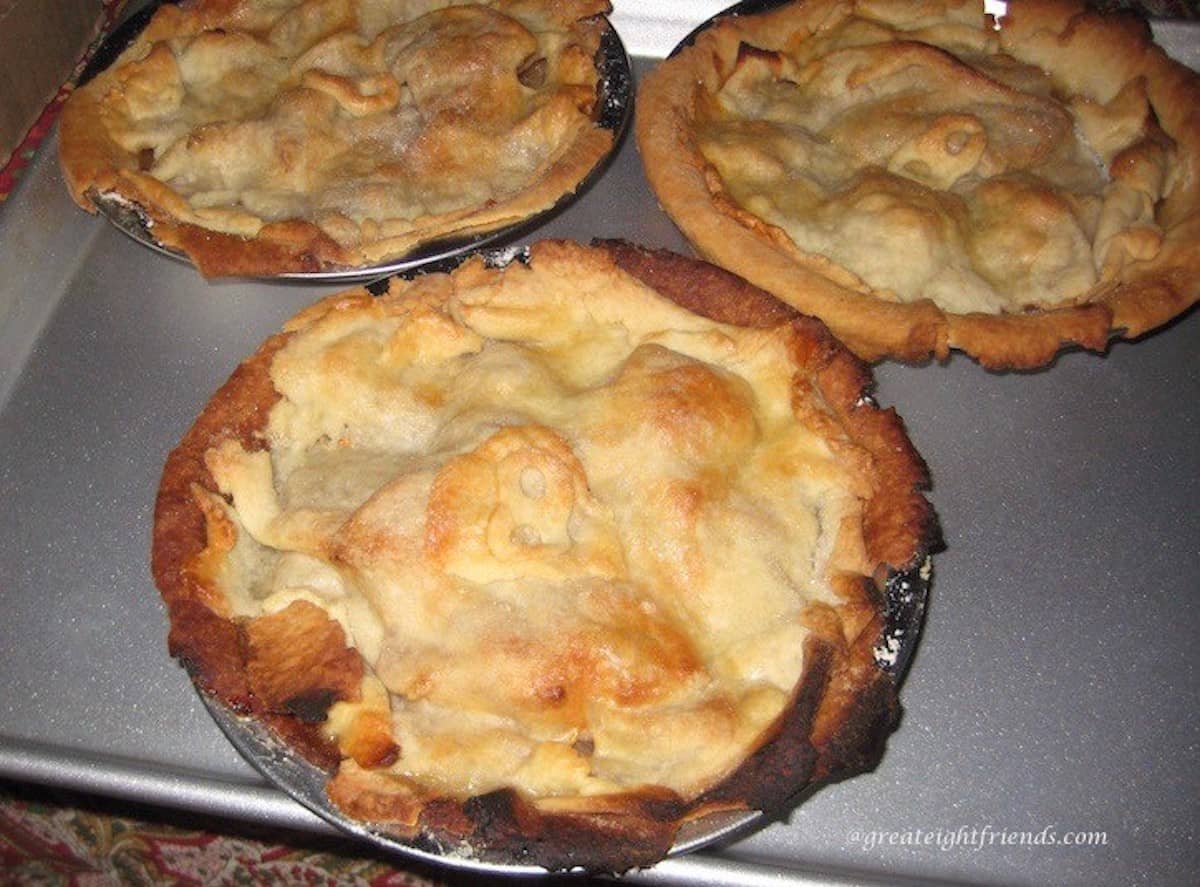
[289, 667]
[261, 139]
[1136, 232]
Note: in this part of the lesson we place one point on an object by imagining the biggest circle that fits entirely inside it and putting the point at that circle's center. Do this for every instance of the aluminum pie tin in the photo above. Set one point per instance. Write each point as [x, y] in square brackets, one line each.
[904, 596]
[746, 7]
[614, 108]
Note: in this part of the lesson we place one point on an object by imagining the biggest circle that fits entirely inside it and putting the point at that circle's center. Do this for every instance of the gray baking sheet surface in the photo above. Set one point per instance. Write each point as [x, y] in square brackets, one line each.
[1050, 732]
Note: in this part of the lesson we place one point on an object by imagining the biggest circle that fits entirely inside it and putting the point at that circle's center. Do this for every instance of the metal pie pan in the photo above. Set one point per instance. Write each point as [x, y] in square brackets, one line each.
[904, 597]
[746, 7]
[614, 108]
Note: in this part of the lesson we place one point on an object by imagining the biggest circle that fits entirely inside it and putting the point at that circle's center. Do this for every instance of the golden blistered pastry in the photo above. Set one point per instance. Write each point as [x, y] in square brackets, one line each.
[924, 178]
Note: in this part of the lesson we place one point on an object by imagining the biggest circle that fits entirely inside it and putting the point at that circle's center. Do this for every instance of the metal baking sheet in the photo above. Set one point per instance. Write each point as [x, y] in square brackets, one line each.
[1053, 694]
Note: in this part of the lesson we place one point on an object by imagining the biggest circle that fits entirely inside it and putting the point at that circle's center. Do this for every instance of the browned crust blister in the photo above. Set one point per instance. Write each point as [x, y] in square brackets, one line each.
[837, 723]
[1147, 284]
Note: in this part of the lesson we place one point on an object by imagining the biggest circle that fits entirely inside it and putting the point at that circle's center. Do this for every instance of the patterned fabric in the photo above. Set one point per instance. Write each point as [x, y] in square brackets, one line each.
[56, 838]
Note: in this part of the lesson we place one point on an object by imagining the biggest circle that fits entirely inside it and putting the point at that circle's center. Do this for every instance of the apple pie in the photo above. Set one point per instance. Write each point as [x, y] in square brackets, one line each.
[541, 561]
[261, 138]
[924, 177]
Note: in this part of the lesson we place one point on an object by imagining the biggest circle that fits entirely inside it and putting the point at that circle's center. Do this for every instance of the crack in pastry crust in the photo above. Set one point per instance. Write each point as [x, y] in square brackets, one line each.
[544, 561]
[336, 134]
[922, 180]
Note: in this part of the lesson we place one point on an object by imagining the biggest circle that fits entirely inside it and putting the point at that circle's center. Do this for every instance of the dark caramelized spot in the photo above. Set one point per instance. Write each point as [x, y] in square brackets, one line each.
[584, 746]
[311, 708]
[532, 72]
[145, 159]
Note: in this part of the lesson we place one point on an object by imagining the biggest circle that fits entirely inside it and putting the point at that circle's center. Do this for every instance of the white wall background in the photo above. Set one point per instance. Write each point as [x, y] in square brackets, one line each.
[653, 27]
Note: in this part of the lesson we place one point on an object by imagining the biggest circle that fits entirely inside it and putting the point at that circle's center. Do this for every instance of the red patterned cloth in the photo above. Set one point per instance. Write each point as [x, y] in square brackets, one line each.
[58, 838]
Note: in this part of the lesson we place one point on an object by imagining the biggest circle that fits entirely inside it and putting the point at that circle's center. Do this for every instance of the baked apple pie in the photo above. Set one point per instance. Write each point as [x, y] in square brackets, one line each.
[261, 138]
[925, 178]
[543, 561]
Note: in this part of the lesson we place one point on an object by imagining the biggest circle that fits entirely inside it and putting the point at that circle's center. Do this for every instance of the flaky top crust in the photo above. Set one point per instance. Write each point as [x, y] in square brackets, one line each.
[1054, 267]
[262, 139]
[298, 670]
